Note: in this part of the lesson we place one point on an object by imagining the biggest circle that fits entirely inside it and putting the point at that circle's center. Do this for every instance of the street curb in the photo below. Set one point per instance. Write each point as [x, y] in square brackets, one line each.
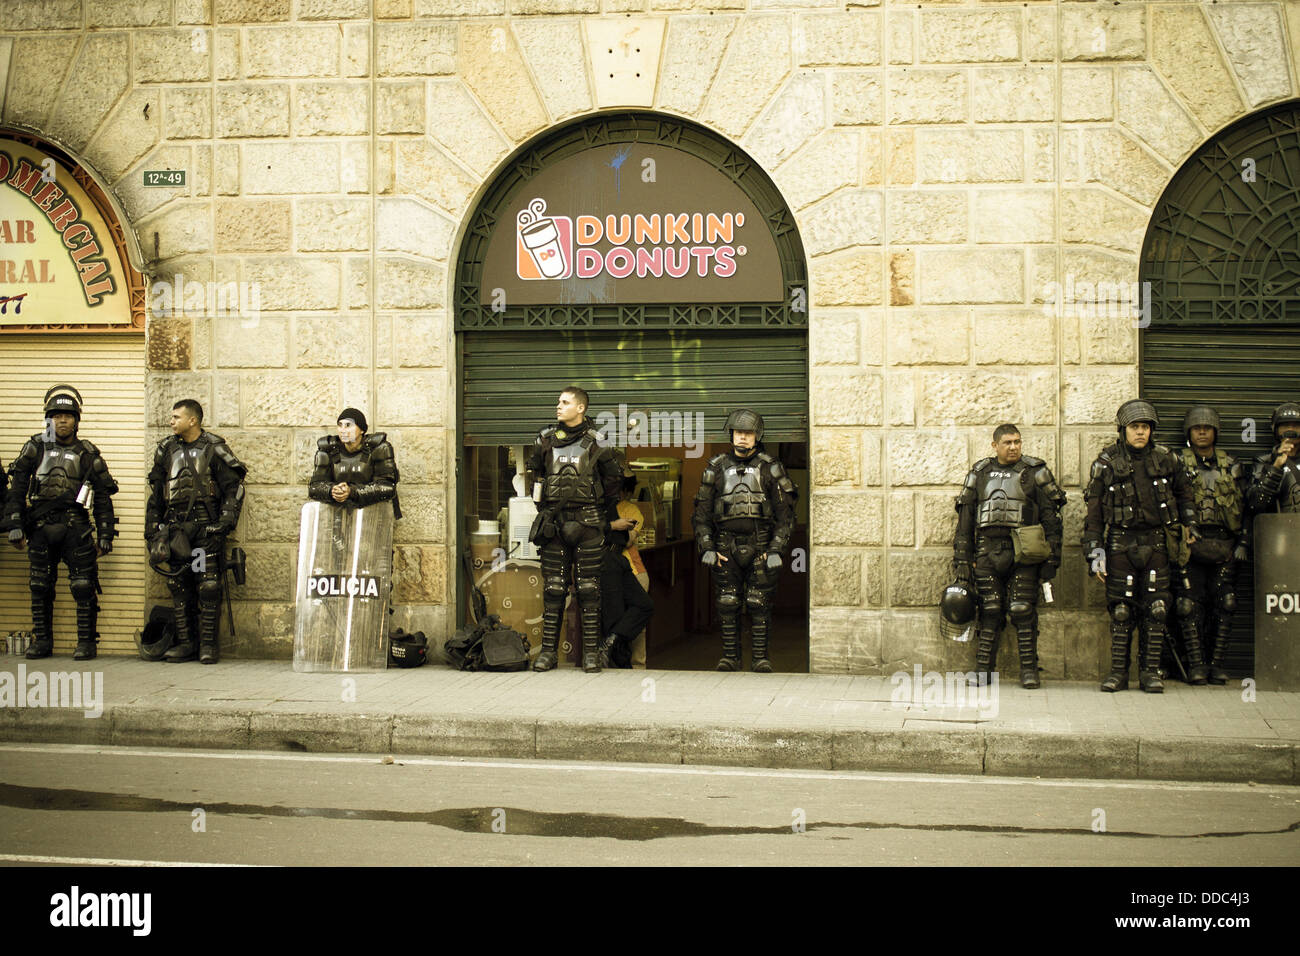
[974, 751]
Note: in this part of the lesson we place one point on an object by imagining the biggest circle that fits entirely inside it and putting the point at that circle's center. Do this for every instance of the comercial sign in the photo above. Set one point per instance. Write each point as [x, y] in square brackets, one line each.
[630, 223]
[59, 263]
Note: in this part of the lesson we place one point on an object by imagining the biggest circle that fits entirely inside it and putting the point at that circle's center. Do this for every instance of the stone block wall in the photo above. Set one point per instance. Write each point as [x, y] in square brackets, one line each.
[951, 166]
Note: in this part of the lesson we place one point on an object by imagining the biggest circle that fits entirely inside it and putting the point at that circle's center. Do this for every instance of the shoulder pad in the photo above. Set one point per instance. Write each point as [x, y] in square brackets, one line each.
[1099, 469]
[982, 464]
[1032, 462]
[1162, 449]
[376, 439]
[88, 446]
[1235, 469]
[546, 431]
[1042, 474]
[327, 442]
[222, 451]
[717, 461]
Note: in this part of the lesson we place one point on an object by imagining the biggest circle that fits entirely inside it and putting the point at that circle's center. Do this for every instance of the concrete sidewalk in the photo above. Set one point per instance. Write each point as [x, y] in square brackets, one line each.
[770, 720]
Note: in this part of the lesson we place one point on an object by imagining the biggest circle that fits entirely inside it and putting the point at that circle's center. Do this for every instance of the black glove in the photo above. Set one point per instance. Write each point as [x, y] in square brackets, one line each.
[1240, 553]
[214, 531]
[774, 561]
[963, 572]
[709, 559]
[105, 545]
[16, 536]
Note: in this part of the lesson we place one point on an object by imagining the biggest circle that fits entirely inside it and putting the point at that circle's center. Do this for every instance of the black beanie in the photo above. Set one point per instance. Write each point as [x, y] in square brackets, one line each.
[356, 417]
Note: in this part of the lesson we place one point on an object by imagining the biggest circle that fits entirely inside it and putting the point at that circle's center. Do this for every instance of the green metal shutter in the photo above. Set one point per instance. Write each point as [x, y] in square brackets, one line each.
[510, 380]
[1243, 373]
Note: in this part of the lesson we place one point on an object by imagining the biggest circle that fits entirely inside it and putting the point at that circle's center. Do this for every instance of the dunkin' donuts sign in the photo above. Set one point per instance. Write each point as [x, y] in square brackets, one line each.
[626, 224]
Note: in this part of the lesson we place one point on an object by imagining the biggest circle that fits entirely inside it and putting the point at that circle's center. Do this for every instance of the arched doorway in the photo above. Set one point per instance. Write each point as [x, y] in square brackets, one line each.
[655, 264]
[75, 314]
[1222, 256]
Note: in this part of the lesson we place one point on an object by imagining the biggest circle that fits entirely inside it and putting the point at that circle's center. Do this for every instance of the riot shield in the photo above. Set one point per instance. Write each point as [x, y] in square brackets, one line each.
[345, 571]
[1277, 602]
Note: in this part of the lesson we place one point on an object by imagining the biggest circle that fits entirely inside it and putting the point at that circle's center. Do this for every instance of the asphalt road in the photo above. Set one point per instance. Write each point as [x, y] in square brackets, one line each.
[68, 804]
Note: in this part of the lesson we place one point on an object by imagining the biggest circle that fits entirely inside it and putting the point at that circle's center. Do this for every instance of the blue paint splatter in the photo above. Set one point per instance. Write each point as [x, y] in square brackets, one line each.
[616, 164]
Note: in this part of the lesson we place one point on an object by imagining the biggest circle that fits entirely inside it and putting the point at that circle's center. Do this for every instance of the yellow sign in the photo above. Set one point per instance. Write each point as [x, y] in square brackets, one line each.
[59, 264]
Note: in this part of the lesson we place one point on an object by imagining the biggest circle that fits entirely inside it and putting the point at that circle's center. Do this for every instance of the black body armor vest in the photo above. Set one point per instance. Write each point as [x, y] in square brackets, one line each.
[1003, 501]
[59, 474]
[571, 473]
[740, 494]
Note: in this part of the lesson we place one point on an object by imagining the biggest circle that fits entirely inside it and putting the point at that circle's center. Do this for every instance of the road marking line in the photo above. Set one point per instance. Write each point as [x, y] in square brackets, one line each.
[100, 861]
[857, 776]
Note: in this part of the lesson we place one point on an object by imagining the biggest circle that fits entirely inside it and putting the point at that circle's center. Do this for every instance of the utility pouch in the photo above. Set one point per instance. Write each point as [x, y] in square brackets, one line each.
[1029, 543]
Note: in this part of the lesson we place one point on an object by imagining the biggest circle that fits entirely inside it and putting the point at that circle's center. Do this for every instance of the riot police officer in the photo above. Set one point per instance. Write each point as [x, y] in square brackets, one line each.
[196, 490]
[1001, 496]
[1137, 493]
[577, 502]
[744, 516]
[53, 476]
[1204, 586]
[355, 466]
[1275, 484]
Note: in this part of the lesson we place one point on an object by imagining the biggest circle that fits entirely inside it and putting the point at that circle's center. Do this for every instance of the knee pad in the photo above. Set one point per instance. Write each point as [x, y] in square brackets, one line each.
[179, 586]
[1157, 611]
[588, 590]
[556, 586]
[728, 601]
[1120, 613]
[210, 591]
[42, 582]
[83, 590]
[755, 601]
[1021, 611]
[1185, 607]
[1228, 601]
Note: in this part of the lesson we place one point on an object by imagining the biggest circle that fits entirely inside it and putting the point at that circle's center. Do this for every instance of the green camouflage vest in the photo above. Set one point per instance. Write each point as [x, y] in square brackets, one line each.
[1221, 505]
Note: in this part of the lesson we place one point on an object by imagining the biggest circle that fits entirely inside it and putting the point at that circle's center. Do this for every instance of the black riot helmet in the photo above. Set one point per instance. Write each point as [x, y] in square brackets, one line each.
[1136, 410]
[957, 612]
[63, 400]
[1200, 415]
[1288, 413]
[744, 420]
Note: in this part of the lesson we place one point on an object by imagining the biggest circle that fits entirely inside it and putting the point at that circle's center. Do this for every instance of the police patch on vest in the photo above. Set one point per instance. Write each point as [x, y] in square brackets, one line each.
[342, 585]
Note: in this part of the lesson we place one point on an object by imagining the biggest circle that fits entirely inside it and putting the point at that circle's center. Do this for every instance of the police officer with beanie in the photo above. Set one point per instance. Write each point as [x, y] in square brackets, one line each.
[1005, 496]
[744, 516]
[1137, 494]
[354, 467]
[1275, 485]
[53, 476]
[196, 489]
[578, 501]
[1204, 586]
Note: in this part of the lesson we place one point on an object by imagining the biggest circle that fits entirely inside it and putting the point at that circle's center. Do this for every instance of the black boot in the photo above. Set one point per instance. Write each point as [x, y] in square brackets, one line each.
[185, 648]
[42, 643]
[1028, 643]
[87, 636]
[1197, 672]
[730, 660]
[758, 661]
[1217, 674]
[986, 655]
[590, 656]
[548, 657]
[1149, 665]
[605, 655]
[86, 649]
[1117, 679]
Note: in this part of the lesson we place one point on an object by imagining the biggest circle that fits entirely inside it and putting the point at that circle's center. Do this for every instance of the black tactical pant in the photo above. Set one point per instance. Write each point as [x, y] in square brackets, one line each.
[743, 583]
[1005, 588]
[1137, 594]
[574, 553]
[66, 537]
[625, 605]
[1211, 577]
[196, 591]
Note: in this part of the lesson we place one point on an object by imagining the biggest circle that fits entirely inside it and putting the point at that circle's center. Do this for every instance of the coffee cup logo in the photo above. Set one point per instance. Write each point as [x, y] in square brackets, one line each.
[545, 244]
